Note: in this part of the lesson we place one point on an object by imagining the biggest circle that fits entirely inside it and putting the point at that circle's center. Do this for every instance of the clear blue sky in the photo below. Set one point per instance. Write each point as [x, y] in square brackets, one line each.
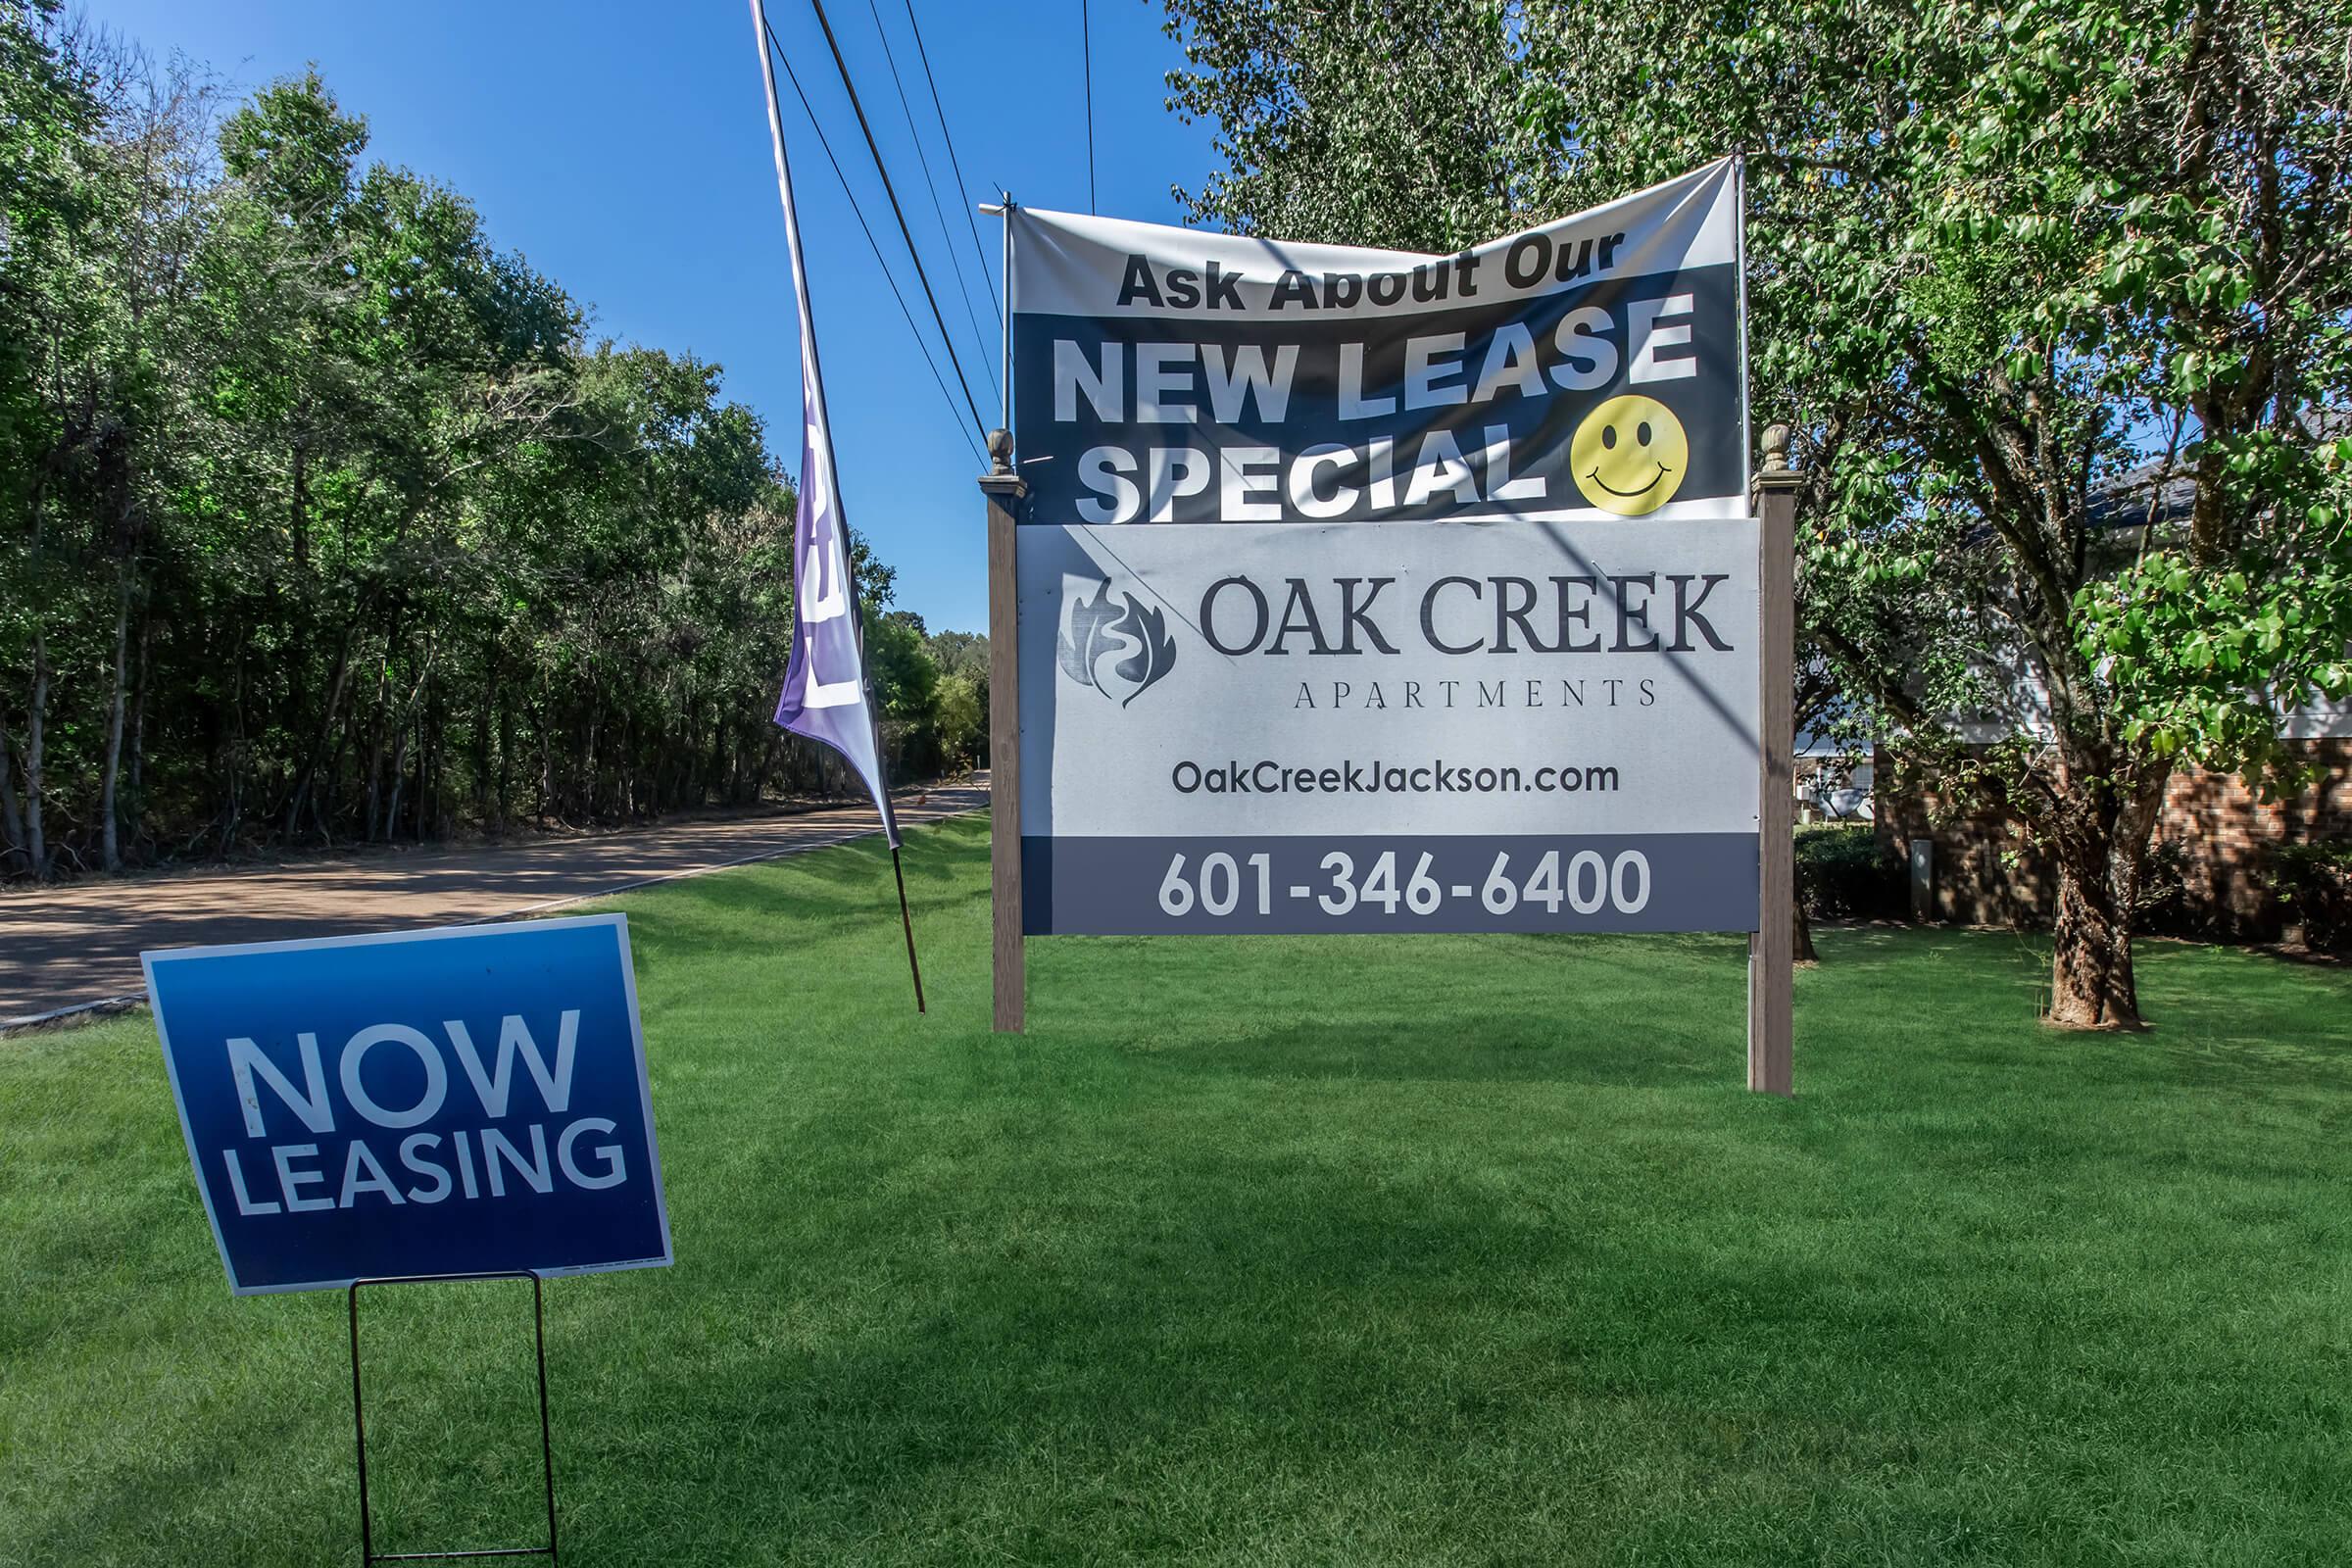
[623, 147]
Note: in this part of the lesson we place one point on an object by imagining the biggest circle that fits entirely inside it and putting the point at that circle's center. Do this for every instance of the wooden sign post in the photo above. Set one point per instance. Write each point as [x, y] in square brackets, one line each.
[1005, 490]
[1771, 952]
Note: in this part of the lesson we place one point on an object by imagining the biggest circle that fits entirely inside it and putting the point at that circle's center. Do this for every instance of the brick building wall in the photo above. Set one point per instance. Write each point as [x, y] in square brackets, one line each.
[2213, 832]
[2219, 826]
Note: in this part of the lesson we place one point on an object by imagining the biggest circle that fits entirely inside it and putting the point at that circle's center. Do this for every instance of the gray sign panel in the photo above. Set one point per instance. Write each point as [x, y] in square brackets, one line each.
[1511, 725]
[1480, 882]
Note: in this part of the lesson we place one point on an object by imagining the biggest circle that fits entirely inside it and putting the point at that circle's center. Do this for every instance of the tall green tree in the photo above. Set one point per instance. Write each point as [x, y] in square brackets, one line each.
[321, 519]
[49, 204]
[2000, 256]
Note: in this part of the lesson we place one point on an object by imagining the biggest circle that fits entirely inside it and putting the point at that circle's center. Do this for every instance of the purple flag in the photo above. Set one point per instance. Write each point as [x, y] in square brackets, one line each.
[826, 696]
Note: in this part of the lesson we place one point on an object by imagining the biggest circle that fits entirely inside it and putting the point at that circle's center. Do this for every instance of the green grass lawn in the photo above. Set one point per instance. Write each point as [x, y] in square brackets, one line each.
[1427, 1251]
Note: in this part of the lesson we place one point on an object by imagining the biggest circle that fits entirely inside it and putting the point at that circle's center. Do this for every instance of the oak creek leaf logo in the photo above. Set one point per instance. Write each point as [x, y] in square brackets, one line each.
[1120, 628]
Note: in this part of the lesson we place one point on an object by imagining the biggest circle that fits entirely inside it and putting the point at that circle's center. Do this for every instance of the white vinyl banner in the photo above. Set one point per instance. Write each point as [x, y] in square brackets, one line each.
[1366, 590]
[1514, 725]
[1594, 367]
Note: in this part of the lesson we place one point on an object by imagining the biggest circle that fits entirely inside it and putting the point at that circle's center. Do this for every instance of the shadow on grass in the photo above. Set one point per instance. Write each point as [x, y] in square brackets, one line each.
[1418, 1007]
[1321, 1299]
[1492, 1046]
[837, 891]
[1090, 1354]
[1288, 1250]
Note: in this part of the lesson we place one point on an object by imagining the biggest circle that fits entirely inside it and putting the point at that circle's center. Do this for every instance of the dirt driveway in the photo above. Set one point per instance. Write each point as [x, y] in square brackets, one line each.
[81, 944]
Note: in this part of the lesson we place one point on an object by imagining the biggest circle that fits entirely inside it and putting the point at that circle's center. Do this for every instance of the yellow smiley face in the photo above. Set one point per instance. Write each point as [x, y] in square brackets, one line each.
[1629, 455]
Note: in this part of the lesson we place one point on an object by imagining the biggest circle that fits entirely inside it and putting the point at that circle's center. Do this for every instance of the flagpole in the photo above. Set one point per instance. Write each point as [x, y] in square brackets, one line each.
[815, 392]
[907, 921]
[889, 822]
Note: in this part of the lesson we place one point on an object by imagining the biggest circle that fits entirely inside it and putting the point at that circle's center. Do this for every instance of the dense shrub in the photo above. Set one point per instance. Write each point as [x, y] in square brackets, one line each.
[2170, 906]
[1842, 874]
[2313, 883]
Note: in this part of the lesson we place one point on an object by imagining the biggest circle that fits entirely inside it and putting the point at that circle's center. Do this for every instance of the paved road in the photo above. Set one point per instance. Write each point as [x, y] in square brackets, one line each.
[81, 944]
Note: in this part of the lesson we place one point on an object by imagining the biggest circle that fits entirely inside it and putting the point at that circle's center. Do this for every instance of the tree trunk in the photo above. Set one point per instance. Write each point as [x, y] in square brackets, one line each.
[2091, 984]
[438, 824]
[715, 772]
[400, 777]
[296, 618]
[428, 773]
[506, 764]
[1803, 943]
[588, 768]
[2100, 836]
[232, 807]
[36, 843]
[375, 725]
[144, 686]
[408, 735]
[326, 728]
[11, 817]
[298, 504]
[110, 838]
[483, 729]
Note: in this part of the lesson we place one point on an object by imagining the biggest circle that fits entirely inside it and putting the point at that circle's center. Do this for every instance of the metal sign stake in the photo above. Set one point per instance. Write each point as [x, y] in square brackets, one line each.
[369, 1556]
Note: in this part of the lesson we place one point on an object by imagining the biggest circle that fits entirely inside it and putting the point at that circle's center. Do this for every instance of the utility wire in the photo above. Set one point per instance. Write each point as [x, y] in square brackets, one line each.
[1086, 36]
[931, 184]
[947, 340]
[964, 190]
[808, 108]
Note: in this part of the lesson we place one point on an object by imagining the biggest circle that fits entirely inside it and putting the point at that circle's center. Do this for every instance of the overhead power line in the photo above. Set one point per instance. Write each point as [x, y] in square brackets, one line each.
[1086, 37]
[931, 184]
[963, 189]
[859, 213]
[873, 149]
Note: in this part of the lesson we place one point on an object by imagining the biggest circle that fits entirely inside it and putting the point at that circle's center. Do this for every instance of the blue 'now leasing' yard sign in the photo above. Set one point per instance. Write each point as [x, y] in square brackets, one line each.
[467, 1101]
